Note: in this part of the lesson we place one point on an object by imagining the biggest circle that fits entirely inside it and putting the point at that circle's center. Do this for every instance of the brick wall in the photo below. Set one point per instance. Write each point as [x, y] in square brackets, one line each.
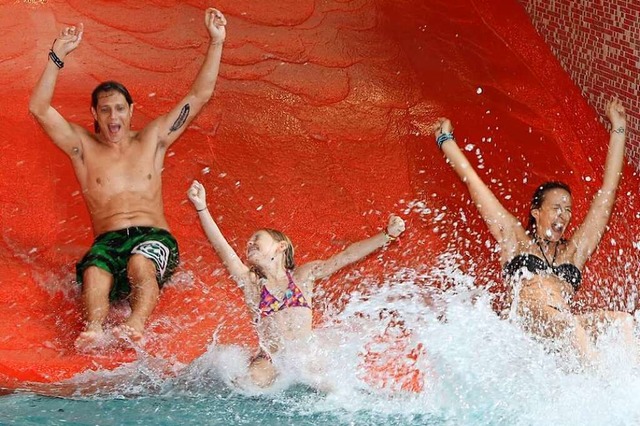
[596, 41]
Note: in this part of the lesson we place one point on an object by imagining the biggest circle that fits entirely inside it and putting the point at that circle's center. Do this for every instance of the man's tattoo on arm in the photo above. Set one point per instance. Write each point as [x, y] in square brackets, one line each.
[182, 118]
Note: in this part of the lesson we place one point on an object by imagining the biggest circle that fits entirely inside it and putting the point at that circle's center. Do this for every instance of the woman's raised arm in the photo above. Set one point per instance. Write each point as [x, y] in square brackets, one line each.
[501, 223]
[589, 233]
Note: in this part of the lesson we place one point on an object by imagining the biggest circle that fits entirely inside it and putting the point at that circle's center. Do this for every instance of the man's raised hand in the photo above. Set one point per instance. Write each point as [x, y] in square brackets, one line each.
[215, 22]
[68, 40]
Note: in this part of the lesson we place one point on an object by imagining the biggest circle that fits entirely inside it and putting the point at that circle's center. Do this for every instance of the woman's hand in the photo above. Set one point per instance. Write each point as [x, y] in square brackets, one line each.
[443, 125]
[443, 131]
[617, 116]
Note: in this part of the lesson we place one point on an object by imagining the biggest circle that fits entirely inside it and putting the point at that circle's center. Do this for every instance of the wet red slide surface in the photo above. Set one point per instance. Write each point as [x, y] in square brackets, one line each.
[316, 128]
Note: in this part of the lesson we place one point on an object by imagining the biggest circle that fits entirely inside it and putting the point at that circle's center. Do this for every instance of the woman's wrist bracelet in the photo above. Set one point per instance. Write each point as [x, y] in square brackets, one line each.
[201, 210]
[443, 138]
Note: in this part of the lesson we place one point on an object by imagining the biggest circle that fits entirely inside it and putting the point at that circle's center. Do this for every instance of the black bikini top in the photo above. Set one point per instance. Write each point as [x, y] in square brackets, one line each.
[567, 271]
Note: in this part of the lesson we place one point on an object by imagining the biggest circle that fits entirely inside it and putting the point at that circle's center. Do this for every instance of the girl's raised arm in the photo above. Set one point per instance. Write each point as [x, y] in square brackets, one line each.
[238, 270]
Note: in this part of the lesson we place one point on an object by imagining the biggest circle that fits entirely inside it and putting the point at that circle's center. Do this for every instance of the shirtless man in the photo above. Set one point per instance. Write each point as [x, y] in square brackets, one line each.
[119, 171]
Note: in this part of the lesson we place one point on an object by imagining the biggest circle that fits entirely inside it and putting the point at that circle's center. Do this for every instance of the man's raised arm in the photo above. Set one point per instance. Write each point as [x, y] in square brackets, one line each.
[173, 124]
[59, 130]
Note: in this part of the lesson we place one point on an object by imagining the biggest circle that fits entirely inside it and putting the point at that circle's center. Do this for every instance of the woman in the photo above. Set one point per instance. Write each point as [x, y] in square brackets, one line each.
[278, 293]
[544, 268]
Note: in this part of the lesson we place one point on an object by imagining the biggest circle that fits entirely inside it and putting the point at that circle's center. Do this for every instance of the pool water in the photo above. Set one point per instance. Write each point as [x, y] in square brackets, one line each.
[479, 370]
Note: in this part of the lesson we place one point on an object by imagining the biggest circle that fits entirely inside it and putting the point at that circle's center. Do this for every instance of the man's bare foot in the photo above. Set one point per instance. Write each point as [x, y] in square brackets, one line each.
[92, 339]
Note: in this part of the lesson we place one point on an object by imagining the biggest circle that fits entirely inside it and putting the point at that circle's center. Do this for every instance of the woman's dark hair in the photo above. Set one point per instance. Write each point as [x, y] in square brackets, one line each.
[538, 199]
[108, 86]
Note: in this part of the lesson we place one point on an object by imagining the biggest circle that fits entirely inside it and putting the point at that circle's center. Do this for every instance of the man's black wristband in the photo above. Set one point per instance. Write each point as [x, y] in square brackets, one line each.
[55, 59]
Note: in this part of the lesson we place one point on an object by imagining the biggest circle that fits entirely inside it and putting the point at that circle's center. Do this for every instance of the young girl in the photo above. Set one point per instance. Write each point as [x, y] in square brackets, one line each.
[277, 292]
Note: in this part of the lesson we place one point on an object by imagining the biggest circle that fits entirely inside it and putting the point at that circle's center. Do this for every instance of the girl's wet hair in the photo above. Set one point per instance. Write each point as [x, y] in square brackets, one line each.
[538, 199]
[105, 87]
[289, 263]
[278, 236]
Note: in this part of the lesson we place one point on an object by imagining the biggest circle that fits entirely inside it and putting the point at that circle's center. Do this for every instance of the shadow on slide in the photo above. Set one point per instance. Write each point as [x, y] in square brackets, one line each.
[317, 127]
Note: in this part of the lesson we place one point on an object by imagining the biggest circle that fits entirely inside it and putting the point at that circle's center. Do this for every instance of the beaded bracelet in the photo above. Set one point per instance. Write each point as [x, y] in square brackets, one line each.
[443, 138]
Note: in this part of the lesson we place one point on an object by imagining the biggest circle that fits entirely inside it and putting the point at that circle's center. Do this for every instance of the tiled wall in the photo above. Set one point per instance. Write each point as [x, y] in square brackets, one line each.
[597, 43]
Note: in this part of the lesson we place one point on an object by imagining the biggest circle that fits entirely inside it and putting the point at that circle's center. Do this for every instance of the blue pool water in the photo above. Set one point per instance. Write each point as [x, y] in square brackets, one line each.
[223, 408]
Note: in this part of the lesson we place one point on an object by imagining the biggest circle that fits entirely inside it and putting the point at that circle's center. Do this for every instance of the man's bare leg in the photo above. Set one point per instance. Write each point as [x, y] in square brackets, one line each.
[96, 285]
[145, 292]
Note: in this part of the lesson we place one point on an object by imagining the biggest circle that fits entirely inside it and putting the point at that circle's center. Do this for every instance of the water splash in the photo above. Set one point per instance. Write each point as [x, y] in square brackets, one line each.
[464, 364]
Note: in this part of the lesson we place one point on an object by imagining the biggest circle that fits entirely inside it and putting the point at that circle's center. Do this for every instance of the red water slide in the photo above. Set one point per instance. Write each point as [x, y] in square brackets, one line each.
[317, 127]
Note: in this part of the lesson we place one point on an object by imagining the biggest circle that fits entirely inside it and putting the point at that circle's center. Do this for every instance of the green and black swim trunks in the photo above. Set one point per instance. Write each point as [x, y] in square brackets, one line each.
[111, 252]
